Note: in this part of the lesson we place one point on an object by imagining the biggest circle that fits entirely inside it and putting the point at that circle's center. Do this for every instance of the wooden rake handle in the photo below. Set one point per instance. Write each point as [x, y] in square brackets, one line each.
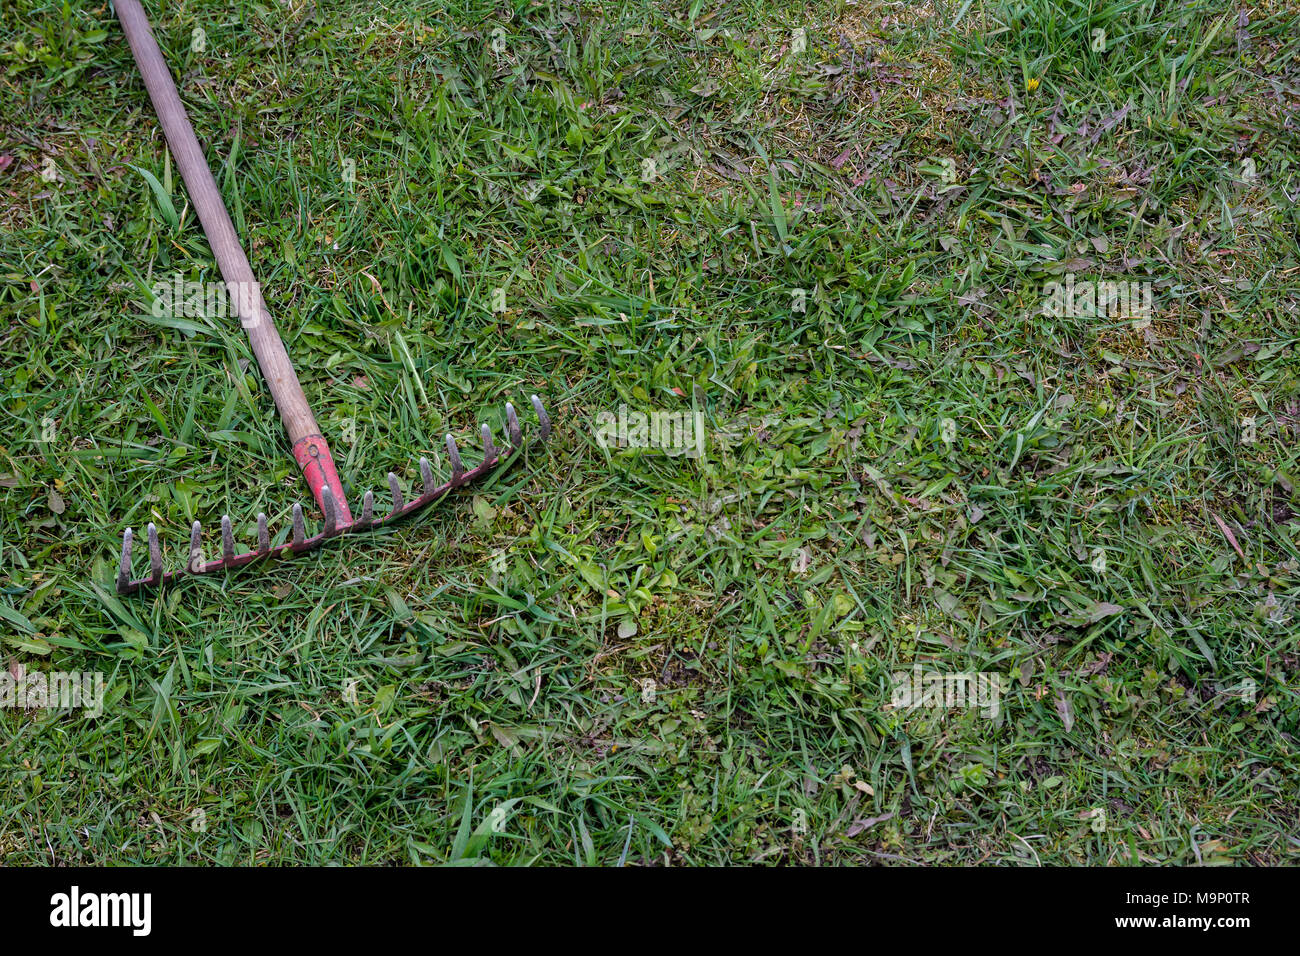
[309, 447]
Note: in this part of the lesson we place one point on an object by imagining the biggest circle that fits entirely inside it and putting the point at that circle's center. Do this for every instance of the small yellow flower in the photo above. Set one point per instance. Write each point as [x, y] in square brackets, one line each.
[1031, 84]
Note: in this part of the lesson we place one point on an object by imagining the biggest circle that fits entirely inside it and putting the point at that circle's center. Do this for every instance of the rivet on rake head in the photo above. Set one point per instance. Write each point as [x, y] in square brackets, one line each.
[331, 512]
[155, 555]
[398, 501]
[426, 476]
[299, 529]
[512, 427]
[453, 454]
[227, 539]
[124, 568]
[542, 417]
[489, 449]
[263, 535]
[367, 510]
[196, 548]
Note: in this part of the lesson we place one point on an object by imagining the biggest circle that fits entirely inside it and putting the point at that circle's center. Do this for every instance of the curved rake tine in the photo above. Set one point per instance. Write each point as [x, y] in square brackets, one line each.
[512, 427]
[426, 476]
[542, 417]
[489, 449]
[453, 453]
[331, 513]
[124, 566]
[263, 535]
[367, 512]
[155, 555]
[196, 548]
[227, 540]
[399, 502]
[299, 530]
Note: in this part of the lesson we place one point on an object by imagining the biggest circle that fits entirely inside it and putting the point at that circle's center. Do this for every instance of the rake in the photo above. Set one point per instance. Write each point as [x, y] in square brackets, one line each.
[310, 449]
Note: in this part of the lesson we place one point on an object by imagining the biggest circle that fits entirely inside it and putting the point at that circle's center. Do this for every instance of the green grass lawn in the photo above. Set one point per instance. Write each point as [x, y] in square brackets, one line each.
[828, 233]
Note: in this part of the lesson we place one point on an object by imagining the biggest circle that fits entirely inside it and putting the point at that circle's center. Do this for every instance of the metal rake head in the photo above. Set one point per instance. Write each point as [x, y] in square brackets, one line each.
[337, 517]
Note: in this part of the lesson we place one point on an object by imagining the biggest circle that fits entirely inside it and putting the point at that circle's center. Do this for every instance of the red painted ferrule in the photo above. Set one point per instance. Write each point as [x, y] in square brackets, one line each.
[317, 464]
